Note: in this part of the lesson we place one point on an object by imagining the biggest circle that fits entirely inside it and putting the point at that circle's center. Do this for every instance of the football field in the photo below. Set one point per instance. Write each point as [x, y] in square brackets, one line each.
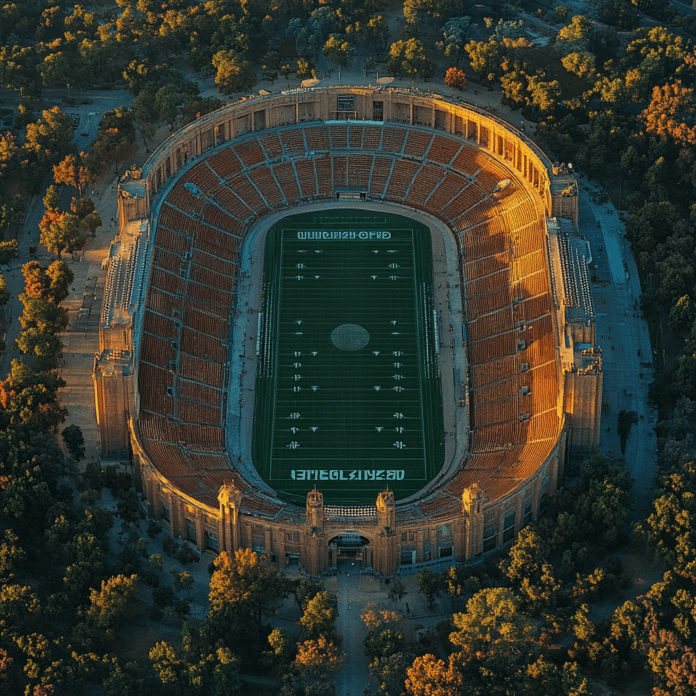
[347, 389]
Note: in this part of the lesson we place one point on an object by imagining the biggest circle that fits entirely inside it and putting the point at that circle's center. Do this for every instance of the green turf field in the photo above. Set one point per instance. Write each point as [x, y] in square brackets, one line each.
[347, 390]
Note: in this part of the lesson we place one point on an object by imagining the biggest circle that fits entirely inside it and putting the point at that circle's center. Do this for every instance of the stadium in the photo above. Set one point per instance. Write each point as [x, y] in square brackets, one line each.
[348, 323]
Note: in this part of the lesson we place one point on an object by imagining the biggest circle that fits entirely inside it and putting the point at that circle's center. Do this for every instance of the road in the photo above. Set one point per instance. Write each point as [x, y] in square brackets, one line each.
[622, 333]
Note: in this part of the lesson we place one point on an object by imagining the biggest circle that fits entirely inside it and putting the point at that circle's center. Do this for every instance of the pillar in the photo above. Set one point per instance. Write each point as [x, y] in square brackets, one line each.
[314, 551]
[472, 507]
[387, 551]
[230, 499]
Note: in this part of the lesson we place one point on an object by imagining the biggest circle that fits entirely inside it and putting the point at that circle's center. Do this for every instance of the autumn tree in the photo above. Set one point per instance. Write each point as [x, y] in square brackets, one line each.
[455, 78]
[671, 113]
[73, 171]
[429, 676]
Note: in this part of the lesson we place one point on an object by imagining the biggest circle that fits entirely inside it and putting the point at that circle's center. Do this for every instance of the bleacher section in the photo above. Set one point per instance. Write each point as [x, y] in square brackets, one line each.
[192, 300]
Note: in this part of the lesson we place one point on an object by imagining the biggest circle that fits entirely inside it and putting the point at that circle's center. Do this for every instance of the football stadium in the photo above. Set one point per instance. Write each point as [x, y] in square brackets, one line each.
[348, 323]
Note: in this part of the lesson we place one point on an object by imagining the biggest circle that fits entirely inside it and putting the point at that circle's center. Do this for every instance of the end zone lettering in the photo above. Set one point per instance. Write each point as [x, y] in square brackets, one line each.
[343, 234]
[347, 474]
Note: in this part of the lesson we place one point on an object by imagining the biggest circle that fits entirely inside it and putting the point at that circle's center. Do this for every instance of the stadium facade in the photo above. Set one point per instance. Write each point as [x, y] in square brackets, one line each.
[521, 374]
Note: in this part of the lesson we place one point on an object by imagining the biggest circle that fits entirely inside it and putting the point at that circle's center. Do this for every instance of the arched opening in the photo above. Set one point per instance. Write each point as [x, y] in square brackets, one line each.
[350, 552]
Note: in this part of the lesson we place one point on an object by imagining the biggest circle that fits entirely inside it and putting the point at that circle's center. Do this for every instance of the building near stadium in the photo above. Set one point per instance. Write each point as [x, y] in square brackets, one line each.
[348, 323]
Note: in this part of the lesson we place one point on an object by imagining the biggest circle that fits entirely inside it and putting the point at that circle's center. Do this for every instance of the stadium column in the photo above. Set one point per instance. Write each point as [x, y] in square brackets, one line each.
[315, 551]
[386, 555]
[230, 500]
[472, 504]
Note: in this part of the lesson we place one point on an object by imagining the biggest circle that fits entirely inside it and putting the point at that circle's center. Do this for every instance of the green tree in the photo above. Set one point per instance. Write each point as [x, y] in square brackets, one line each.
[103, 617]
[4, 292]
[279, 654]
[485, 58]
[390, 673]
[8, 251]
[64, 234]
[50, 138]
[234, 74]
[43, 314]
[383, 643]
[429, 585]
[320, 616]
[337, 51]
[492, 624]
[574, 37]
[51, 199]
[244, 586]
[59, 277]
[74, 442]
[45, 347]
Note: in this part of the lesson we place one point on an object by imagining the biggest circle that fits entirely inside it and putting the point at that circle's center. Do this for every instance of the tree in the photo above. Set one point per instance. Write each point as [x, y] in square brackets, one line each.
[429, 676]
[574, 37]
[112, 147]
[60, 277]
[74, 442]
[409, 57]
[671, 112]
[492, 624]
[45, 315]
[4, 292]
[390, 673]
[337, 51]
[234, 74]
[45, 347]
[145, 113]
[397, 590]
[485, 58]
[244, 586]
[315, 658]
[304, 70]
[73, 171]
[63, 234]
[51, 136]
[429, 585]
[454, 34]
[279, 654]
[385, 643]
[455, 78]
[167, 100]
[320, 616]
[51, 199]
[580, 63]
[106, 609]
[8, 251]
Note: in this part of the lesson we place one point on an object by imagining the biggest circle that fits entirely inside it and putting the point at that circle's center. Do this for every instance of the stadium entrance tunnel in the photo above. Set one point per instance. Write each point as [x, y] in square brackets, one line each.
[351, 547]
